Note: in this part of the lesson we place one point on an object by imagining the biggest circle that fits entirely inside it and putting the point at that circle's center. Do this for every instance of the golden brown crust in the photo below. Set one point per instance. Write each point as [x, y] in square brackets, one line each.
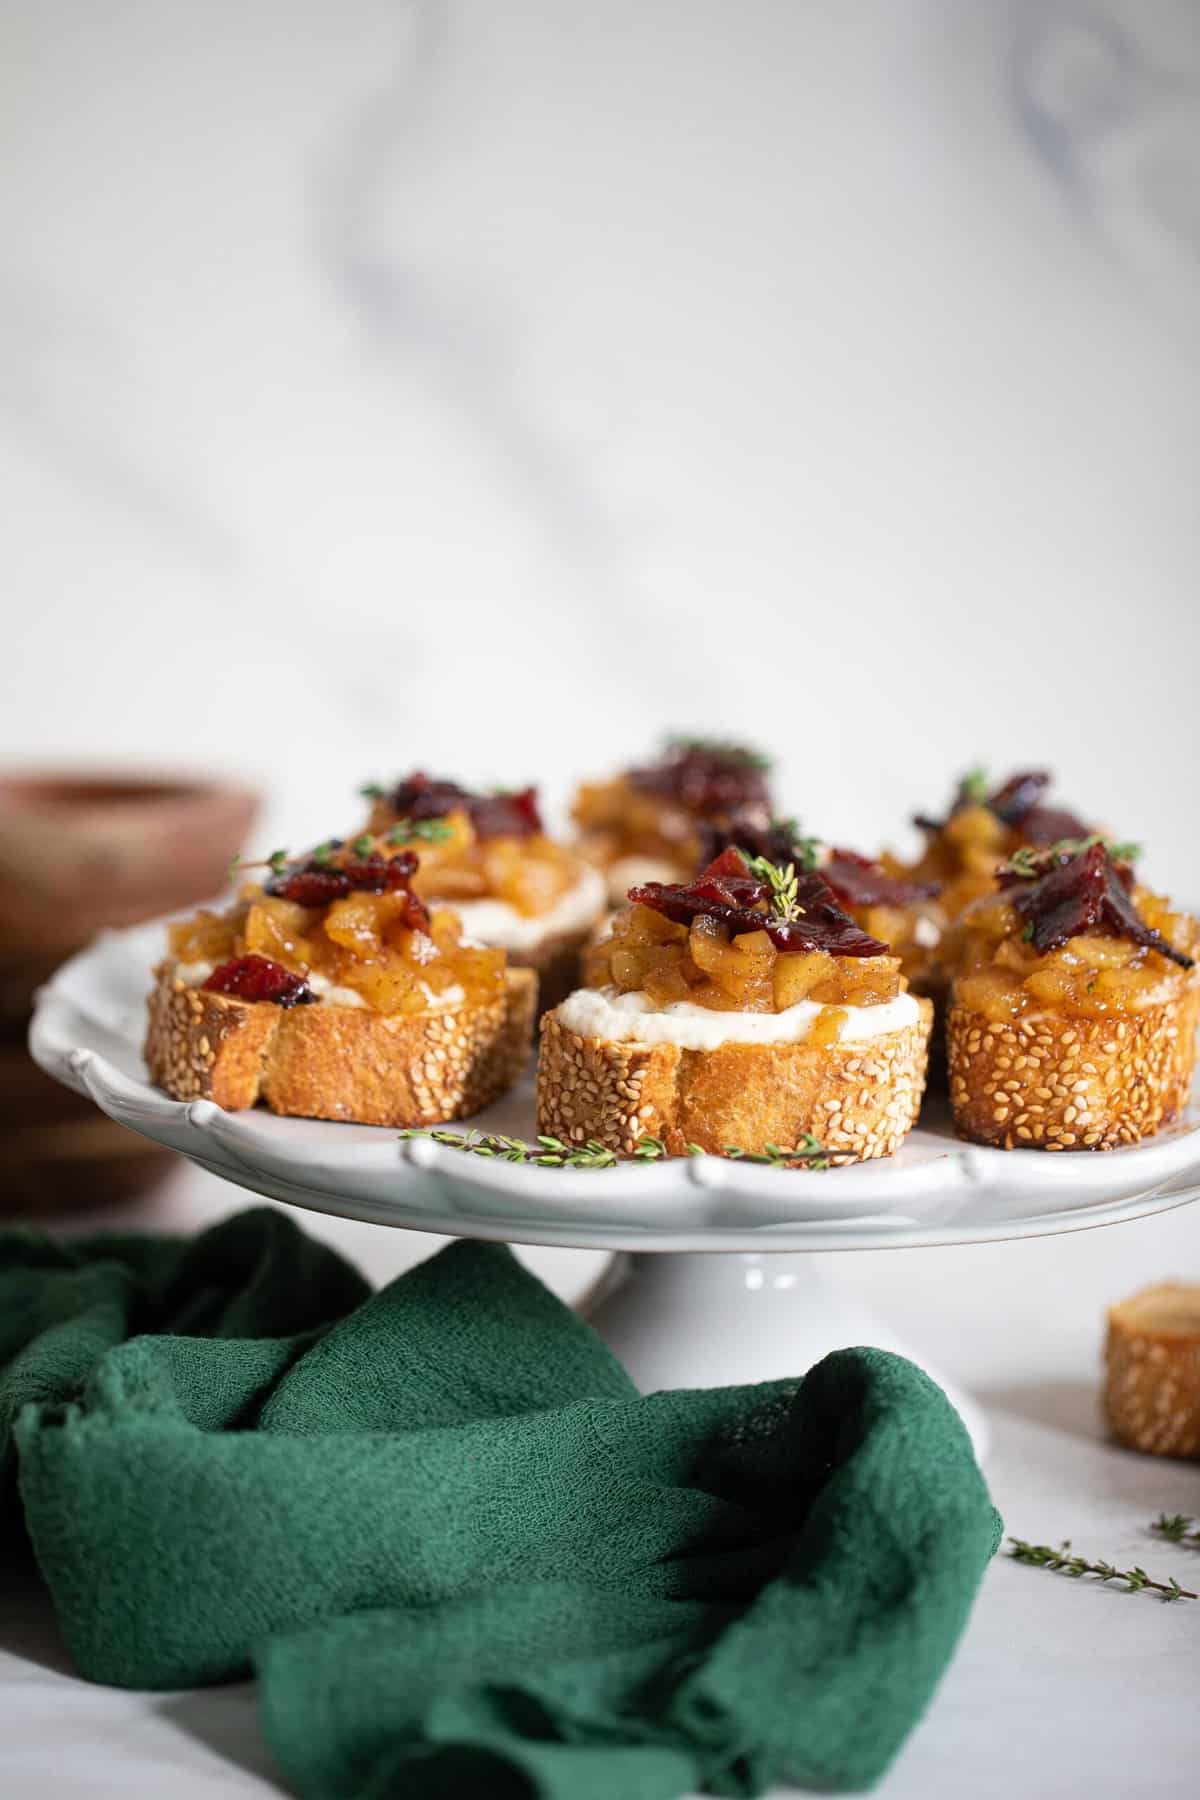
[1152, 1383]
[859, 1100]
[338, 1062]
[202, 1046]
[1050, 1081]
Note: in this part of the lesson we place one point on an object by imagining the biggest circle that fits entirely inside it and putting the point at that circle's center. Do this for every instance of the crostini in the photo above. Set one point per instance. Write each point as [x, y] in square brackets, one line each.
[646, 824]
[739, 1011]
[489, 857]
[332, 992]
[963, 850]
[983, 827]
[1073, 1012]
[1152, 1375]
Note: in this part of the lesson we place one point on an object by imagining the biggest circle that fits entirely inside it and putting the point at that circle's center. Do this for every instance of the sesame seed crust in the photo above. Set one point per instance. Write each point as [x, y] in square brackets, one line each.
[338, 1062]
[1053, 1081]
[859, 1100]
[1152, 1380]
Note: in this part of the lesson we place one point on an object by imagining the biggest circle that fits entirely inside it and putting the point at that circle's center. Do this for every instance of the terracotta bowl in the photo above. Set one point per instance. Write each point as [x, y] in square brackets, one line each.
[78, 854]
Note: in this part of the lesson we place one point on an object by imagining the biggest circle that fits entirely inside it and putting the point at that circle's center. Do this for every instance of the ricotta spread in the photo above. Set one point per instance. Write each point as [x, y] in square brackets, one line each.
[633, 1018]
[195, 974]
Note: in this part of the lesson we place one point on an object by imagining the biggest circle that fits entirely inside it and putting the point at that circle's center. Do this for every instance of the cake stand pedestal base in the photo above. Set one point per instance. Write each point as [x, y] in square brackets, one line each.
[715, 1319]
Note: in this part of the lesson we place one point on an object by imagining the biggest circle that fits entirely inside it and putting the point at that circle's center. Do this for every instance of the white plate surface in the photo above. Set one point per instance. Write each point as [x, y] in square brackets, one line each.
[87, 1031]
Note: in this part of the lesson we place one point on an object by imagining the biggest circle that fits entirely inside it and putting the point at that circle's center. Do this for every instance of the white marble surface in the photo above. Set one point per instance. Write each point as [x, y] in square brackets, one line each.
[385, 380]
[1059, 1689]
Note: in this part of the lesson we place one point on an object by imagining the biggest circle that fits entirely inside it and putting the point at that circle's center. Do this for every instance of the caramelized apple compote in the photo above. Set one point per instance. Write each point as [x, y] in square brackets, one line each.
[476, 846]
[964, 849]
[372, 935]
[723, 942]
[886, 903]
[1069, 932]
[657, 812]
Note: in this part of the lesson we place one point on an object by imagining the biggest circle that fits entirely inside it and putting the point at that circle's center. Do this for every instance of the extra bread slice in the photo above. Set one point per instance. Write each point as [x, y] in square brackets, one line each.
[338, 1062]
[860, 1100]
[1152, 1387]
[555, 962]
[1051, 1082]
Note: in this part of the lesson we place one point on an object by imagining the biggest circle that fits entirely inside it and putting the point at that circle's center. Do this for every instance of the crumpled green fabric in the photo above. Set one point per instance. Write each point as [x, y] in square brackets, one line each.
[461, 1553]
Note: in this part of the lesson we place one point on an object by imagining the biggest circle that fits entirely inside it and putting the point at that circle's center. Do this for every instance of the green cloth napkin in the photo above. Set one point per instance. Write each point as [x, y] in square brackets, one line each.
[461, 1553]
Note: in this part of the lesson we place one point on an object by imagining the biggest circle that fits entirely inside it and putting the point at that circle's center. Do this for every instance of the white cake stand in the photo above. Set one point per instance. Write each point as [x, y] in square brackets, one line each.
[737, 1298]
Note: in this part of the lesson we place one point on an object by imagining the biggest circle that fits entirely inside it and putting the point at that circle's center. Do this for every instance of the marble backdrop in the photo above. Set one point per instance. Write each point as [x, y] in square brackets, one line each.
[488, 385]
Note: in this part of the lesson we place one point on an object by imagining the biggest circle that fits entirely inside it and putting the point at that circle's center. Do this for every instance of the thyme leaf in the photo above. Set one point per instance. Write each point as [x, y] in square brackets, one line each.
[1177, 1528]
[424, 831]
[1045, 1556]
[553, 1153]
[1025, 861]
[784, 886]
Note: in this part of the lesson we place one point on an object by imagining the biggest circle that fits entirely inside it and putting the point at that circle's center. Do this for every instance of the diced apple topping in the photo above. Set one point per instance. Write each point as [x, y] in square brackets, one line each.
[376, 939]
[1091, 969]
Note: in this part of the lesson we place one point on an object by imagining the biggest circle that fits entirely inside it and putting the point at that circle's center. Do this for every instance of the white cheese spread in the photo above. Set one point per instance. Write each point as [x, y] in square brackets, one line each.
[333, 995]
[633, 1018]
[195, 974]
[636, 871]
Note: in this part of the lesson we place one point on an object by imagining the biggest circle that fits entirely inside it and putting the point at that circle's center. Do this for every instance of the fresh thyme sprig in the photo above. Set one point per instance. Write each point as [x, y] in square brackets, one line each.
[809, 1151]
[423, 831]
[738, 754]
[546, 1153]
[782, 881]
[1044, 1556]
[1025, 861]
[277, 862]
[553, 1153]
[1176, 1528]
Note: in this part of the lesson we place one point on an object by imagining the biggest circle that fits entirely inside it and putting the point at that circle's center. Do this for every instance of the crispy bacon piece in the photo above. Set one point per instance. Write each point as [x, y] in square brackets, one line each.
[315, 883]
[727, 892]
[711, 780]
[861, 881]
[1016, 798]
[1046, 825]
[856, 880]
[310, 884]
[1017, 803]
[746, 830]
[422, 796]
[258, 978]
[1064, 895]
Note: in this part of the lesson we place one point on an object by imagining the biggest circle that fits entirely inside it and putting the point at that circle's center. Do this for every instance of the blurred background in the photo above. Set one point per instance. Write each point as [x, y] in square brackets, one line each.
[430, 381]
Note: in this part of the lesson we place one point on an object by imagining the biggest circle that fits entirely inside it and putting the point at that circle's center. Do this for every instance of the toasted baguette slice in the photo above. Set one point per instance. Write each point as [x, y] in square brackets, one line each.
[859, 1100]
[1152, 1387]
[338, 1062]
[1053, 1082]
